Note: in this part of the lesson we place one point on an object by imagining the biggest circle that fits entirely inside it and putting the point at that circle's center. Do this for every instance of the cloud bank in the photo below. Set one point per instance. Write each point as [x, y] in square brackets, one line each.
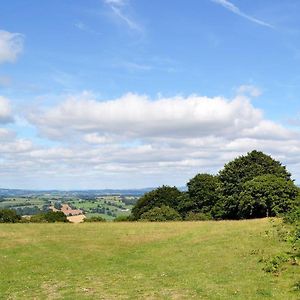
[137, 141]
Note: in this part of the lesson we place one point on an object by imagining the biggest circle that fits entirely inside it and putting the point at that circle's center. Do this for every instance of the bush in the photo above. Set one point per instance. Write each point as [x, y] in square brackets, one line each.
[123, 219]
[94, 219]
[49, 217]
[39, 218]
[161, 214]
[198, 216]
[9, 216]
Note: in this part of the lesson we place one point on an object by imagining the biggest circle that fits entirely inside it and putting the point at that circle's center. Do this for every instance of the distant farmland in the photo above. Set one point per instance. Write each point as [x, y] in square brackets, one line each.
[184, 260]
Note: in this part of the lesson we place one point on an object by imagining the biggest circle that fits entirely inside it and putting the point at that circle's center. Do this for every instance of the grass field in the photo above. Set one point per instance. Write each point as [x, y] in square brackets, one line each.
[184, 260]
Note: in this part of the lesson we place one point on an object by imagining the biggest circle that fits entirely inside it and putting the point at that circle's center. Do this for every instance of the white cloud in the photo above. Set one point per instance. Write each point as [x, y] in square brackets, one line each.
[233, 8]
[134, 116]
[136, 141]
[252, 90]
[11, 46]
[5, 110]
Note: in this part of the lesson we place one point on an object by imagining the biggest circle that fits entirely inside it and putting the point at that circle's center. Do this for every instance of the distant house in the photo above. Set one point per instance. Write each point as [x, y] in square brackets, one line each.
[67, 210]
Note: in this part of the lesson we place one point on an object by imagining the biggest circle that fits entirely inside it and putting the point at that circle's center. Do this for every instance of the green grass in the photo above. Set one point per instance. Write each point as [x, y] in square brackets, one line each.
[184, 260]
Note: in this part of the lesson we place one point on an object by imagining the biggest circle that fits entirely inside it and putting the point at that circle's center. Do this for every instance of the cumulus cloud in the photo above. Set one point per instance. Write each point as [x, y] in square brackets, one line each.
[11, 46]
[134, 116]
[136, 141]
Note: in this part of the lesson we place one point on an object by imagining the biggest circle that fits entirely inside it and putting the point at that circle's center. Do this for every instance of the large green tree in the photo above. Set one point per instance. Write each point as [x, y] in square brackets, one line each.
[244, 168]
[164, 195]
[267, 196]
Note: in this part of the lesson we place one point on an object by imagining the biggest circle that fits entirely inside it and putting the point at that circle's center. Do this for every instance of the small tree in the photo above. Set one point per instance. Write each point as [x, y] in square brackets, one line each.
[164, 195]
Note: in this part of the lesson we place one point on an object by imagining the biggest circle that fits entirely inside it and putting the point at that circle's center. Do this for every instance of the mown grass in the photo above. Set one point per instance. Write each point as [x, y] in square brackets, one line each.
[184, 260]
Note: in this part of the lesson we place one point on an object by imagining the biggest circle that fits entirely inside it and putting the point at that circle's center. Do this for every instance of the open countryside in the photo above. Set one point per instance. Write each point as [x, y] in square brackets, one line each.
[183, 260]
[149, 150]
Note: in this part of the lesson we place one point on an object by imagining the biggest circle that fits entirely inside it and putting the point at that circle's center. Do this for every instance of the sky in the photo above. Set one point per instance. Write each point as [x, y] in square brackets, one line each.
[101, 94]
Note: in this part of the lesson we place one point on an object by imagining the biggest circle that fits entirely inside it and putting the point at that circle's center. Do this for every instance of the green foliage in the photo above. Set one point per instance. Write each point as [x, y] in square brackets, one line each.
[49, 217]
[203, 192]
[242, 169]
[39, 218]
[245, 168]
[95, 219]
[164, 195]
[200, 216]
[161, 214]
[273, 264]
[266, 196]
[123, 219]
[250, 186]
[9, 216]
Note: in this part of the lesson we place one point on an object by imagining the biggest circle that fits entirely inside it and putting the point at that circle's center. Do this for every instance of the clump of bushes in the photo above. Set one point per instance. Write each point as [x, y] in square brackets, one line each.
[161, 214]
[94, 219]
[123, 219]
[49, 217]
[198, 216]
[9, 216]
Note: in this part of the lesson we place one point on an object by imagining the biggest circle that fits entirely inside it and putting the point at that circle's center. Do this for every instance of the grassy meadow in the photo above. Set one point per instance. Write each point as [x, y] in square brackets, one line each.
[181, 260]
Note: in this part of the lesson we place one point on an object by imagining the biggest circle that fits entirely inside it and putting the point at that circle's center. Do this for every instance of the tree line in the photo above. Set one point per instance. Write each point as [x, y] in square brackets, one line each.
[250, 186]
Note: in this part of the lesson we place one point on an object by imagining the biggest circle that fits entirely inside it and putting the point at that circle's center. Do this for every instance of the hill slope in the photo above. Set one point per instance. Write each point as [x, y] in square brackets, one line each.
[209, 260]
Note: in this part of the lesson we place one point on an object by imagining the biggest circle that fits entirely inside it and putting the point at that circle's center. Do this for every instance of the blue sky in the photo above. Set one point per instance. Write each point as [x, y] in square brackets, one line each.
[124, 93]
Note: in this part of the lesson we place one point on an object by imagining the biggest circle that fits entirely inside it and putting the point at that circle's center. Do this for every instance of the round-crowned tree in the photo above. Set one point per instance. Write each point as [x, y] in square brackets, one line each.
[267, 196]
[164, 195]
[244, 168]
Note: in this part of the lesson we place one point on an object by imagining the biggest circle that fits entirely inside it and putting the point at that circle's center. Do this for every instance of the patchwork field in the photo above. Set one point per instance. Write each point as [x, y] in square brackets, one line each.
[184, 260]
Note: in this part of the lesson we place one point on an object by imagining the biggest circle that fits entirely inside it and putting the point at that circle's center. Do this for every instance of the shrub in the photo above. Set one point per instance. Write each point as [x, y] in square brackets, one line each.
[9, 216]
[39, 218]
[95, 219]
[123, 219]
[198, 216]
[49, 217]
[161, 214]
